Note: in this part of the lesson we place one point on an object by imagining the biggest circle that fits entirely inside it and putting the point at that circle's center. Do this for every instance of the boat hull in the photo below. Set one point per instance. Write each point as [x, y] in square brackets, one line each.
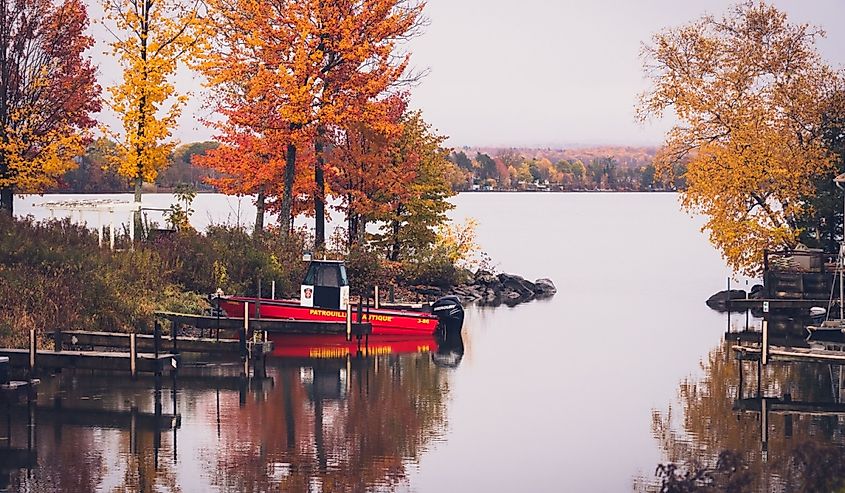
[384, 322]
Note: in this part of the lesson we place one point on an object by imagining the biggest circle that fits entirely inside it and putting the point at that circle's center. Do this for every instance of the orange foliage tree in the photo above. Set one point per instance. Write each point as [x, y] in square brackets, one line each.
[47, 92]
[363, 169]
[317, 64]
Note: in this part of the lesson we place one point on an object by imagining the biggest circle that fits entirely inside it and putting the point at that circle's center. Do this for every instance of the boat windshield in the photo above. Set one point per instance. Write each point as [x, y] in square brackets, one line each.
[326, 275]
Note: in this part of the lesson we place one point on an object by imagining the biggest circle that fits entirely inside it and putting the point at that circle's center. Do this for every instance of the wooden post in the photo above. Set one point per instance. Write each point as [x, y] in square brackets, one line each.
[348, 321]
[57, 339]
[133, 355]
[174, 333]
[273, 290]
[156, 338]
[258, 301]
[111, 230]
[242, 335]
[729, 303]
[4, 370]
[32, 351]
[764, 353]
[376, 298]
[100, 229]
[132, 231]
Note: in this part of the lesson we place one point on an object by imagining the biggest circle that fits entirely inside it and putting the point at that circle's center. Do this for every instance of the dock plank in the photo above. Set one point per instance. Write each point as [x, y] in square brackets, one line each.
[271, 325]
[91, 360]
[145, 342]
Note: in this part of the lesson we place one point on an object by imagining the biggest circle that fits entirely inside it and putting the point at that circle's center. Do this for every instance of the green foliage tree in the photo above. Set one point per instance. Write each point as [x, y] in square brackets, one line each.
[411, 218]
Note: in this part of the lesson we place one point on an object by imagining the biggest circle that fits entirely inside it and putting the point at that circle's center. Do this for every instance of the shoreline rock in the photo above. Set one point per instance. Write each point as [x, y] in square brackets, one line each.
[488, 289]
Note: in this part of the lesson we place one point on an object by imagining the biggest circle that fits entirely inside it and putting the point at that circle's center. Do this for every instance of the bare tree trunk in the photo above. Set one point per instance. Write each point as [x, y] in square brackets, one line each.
[362, 229]
[259, 215]
[7, 201]
[285, 220]
[319, 192]
[136, 216]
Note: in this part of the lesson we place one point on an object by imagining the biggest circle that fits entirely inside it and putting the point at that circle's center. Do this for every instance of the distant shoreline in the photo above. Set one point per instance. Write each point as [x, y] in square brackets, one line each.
[204, 192]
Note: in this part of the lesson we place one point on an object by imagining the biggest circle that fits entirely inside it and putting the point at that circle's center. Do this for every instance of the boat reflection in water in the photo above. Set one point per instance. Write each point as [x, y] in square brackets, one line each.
[330, 416]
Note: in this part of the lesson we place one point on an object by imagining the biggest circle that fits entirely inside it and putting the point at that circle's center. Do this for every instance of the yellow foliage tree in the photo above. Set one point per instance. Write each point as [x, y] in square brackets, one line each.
[150, 38]
[750, 92]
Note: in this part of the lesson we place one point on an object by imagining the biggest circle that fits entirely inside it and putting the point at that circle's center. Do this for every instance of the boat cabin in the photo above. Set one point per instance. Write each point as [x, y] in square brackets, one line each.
[325, 285]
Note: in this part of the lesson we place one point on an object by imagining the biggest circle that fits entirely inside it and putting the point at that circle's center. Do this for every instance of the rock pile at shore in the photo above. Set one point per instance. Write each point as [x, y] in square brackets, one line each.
[486, 288]
[720, 300]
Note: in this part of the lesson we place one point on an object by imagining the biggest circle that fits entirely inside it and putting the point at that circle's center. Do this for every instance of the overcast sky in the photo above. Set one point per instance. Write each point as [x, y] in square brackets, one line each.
[535, 72]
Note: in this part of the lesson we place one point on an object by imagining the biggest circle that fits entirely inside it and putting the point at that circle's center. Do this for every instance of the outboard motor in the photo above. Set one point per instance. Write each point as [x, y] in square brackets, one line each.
[449, 313]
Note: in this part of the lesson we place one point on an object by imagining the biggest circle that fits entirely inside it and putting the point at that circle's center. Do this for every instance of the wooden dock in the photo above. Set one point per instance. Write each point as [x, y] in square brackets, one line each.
[787, 406]
[269, 325]
[146, 342]
[792, 354]
[91, 360]
[743, 304]
[756, 336]
[97, 418]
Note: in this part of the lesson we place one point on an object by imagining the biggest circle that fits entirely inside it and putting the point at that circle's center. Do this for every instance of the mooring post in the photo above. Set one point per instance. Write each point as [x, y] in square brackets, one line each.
[258, 301]
[4, 370]
[32, 350]
[133, 355]
[156, 338]
[764, 353]
[729, 303]
[244, 329]
[273, 290]
[174, 330]
[348, 321]
[391, 294]
[375, 297]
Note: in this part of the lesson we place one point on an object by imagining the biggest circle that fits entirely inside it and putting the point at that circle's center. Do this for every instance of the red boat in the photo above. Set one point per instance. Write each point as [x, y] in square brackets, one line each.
[324, 297]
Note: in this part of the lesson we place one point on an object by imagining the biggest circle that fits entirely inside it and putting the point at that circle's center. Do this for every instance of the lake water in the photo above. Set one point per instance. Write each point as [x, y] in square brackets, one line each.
[586, 391]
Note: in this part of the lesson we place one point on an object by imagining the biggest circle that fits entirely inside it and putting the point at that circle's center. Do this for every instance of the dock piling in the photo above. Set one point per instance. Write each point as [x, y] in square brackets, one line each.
[32, 350]
[764, 355]
[57, 339]
[156, 338]
[348, 321]
[375, 297]
[133, 355]
[244, 329]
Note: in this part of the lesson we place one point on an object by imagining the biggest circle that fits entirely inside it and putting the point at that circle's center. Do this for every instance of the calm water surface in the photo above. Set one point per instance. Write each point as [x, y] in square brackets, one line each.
[588, 391]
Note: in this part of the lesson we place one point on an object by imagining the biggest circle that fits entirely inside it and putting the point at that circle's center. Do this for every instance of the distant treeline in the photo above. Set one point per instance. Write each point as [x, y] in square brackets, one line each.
[587, 169]
[95, 175]
[484, 169]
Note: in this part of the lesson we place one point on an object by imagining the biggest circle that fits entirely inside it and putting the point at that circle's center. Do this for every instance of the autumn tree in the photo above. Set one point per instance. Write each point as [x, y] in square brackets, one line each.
[319, 63]
[363, 168]
[48, 91]
[248, 162]
[94, 173]
[151, 37]
[414, 208]
[750, 91]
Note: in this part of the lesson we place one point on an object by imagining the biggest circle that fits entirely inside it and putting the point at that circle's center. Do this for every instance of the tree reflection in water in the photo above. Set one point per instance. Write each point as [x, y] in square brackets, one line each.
[339, 422]
[734, 435]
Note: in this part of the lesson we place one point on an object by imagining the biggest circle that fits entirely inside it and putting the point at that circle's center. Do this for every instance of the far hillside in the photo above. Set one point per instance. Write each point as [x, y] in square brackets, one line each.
[600, 168]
